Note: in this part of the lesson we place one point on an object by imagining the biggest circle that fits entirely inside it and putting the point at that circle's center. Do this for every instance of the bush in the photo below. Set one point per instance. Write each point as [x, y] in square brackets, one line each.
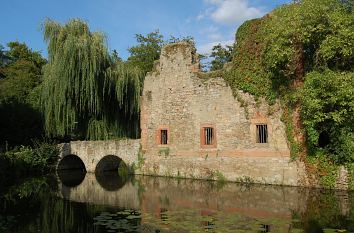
[37, 159]
[327, 113]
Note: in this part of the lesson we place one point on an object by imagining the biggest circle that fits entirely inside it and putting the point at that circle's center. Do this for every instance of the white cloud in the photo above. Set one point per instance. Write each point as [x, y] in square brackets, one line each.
[206, 48]
[204, 14]
[215, 36]
[212, 32]
[233, 11]
[209, 29]
[201, 16]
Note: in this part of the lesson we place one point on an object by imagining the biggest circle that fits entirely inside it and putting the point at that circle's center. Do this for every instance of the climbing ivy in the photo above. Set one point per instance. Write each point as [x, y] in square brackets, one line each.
[303, 53]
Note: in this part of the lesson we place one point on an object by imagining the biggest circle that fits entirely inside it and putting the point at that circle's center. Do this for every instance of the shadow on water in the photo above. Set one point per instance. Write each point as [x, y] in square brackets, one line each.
[106, 203]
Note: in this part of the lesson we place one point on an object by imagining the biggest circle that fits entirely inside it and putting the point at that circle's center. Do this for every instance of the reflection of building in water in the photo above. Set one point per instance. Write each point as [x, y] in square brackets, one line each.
[196, 205]
[210, 206]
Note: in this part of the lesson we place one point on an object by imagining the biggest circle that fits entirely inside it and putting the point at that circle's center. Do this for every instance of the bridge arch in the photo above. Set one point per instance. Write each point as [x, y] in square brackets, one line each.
[111, 166]
[109, 163]
[71, 170]
[102, 155]
[71, 162]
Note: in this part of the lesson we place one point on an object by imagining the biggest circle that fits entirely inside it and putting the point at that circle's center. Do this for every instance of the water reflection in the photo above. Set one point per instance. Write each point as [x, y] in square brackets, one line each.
[107, 203]
[174, 205]
[71, 178]
[110, 180]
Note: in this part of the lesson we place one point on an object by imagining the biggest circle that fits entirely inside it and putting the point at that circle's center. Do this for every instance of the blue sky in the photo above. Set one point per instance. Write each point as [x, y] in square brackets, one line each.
[208, 21]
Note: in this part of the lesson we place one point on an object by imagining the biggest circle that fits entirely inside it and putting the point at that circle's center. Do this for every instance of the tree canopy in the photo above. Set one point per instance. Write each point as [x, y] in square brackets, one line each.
[303, 53]
[221, 56]
[146, 51]
[21, 77]
[86, 93]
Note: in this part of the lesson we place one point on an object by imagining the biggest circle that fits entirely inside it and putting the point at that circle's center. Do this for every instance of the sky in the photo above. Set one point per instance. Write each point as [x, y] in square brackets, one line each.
[209, 22]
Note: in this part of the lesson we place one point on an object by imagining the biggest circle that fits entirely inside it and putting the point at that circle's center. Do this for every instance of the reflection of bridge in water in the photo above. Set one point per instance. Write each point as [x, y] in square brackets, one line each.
[100, 190]
[161, 197]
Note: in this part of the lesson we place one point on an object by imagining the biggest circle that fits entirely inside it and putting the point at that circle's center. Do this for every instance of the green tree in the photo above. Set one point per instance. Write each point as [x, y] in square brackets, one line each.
[303, 41]
[328, 113]
[146, 51]
[308, 36]
[246, 71]
[20, 119]
[294, 52]
[220, 55]
[4, 59]
[87, 93]
[115, 56]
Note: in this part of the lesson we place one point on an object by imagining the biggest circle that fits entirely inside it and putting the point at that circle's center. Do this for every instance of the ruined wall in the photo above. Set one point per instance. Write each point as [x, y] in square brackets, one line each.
[177, 99]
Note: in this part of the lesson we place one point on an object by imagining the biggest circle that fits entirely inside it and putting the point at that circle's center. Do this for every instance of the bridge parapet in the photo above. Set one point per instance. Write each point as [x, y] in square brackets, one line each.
[91, 152]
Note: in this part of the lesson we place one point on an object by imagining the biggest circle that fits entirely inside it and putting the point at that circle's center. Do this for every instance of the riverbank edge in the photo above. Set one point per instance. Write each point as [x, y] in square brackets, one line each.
[270, 170]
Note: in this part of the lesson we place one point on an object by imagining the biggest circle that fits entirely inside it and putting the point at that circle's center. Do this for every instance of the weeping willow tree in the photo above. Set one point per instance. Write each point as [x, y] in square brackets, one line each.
[85, 94]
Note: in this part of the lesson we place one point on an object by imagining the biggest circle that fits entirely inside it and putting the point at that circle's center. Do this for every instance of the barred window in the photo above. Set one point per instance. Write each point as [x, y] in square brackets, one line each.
[262, 133]
[163, 136]
[208, 136]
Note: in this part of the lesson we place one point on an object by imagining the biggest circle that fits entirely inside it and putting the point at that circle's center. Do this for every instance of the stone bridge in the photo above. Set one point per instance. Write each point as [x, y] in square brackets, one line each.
[98, 155]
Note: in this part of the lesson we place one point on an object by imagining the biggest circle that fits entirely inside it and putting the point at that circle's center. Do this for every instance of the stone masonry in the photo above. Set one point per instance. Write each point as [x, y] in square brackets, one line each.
[178, 100]
[92, 152]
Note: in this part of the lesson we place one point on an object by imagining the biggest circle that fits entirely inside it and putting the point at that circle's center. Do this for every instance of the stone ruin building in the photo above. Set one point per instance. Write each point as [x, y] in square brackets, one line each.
[193, 126]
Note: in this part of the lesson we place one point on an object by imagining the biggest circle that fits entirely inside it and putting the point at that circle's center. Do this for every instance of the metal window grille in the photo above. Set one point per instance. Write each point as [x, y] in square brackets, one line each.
[265, 228]
[262, 134]
[163, 138]
[208, 136]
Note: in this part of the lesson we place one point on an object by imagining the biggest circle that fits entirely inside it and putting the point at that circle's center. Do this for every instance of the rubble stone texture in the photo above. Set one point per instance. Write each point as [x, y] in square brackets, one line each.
[179, 98]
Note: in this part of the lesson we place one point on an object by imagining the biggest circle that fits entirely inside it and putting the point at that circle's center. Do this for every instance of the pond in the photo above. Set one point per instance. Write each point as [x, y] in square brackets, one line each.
[84, 203]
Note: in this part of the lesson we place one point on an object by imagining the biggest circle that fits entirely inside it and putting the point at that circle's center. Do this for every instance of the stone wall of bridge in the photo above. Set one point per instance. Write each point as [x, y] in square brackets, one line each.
[92, 152]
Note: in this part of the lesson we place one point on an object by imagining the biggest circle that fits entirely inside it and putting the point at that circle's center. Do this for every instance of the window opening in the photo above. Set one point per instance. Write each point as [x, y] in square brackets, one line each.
[262, 134]
[208, 136]
[163, 137]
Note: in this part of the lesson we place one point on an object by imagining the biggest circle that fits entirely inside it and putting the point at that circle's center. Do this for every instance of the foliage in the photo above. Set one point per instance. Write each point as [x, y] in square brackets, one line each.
[187, 39]
[328, 113]
[20, 120]
[149, 47]
[28, 189]
[326, 169]
[147, 51]
[306, 44]
[20, 123]
[123, 170]
[221, 56]
[245, 180]
[22, 73]
[141, 160]
[219, 176]
[85, 94]
[246, 71]
[4, 60]
[4, 165]
[310, 35]
[37, 159]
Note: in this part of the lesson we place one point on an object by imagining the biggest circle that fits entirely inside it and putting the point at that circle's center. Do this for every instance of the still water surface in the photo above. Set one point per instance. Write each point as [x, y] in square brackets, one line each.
[85, 203]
